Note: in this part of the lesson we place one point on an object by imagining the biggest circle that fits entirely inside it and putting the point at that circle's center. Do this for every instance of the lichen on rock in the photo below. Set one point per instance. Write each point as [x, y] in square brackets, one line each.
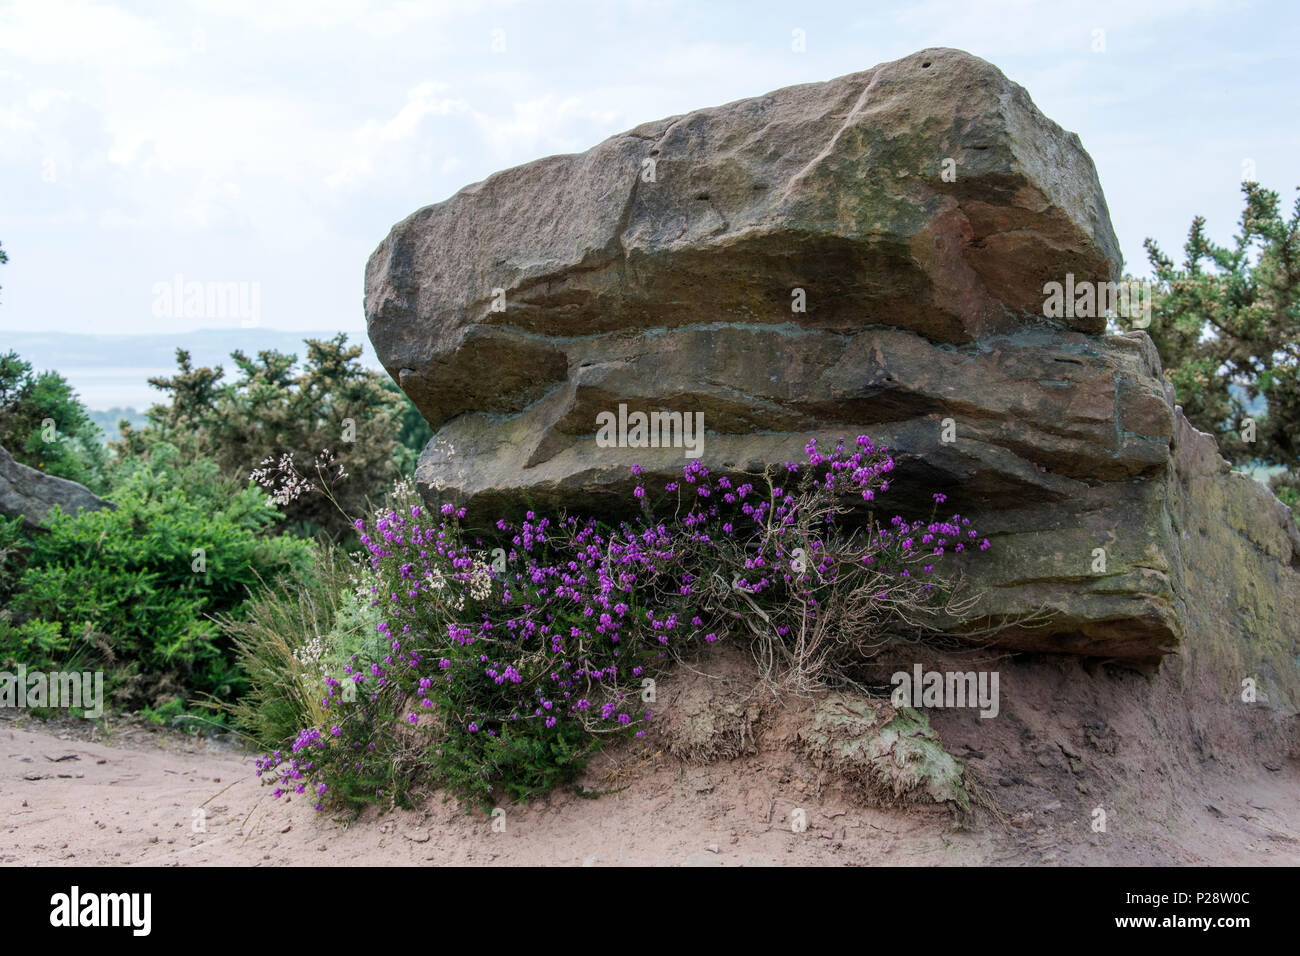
[891, 752]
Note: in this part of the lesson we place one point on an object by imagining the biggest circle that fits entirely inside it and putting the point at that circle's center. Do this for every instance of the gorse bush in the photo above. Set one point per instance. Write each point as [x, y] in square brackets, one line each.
[507, 660]
[44, 426]
[1227, 326]
[139, 582]
[277, 408]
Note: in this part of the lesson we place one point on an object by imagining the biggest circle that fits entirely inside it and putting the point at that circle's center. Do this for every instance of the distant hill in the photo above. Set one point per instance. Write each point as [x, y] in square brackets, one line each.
[112, 371]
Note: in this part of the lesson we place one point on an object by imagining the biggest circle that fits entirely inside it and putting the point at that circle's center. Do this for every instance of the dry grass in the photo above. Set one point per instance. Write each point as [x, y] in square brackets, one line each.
[270, 639]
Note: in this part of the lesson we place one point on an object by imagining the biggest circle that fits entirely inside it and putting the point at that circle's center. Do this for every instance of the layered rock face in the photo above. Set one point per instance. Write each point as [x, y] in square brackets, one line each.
[32, 493]
[866, 255]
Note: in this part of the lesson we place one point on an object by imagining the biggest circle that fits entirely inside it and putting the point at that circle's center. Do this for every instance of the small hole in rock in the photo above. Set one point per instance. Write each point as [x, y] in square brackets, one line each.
[925, 65]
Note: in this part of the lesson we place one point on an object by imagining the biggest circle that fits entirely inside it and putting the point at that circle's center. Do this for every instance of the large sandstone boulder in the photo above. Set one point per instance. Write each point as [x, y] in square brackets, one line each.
[714, 218]
[32, 493]
[920, 207]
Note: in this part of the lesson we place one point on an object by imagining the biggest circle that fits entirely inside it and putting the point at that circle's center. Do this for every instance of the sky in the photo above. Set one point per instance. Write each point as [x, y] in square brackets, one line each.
[271, 144]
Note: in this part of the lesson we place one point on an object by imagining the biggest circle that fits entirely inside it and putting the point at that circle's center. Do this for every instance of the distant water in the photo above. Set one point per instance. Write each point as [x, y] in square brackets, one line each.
[114, 370]
[104, 388]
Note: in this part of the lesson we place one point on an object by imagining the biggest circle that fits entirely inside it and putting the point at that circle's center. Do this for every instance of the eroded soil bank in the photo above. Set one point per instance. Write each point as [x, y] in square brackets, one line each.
[73, 794]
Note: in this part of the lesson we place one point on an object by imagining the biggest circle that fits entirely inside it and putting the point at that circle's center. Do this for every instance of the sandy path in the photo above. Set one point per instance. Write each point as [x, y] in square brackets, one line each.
[137, 803]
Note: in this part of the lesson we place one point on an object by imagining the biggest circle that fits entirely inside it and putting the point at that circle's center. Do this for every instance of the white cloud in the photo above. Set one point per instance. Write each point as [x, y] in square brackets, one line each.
[285, 143]
[88, 35]
[372, 17]
[538, 127]
[375, 140]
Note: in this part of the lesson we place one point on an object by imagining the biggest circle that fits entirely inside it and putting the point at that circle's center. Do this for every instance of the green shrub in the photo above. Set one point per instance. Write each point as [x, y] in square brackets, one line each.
[278, 409]
[32, 640]
[44, 425]
[12, 543]
[144, 578]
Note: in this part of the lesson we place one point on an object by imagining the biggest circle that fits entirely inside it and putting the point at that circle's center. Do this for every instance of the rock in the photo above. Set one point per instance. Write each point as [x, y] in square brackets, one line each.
[836, 188]
[32, 493]
[924, 306]
[891, 752]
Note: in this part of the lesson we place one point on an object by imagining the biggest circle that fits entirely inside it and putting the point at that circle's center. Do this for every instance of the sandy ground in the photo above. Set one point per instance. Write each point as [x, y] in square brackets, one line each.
[134, 798]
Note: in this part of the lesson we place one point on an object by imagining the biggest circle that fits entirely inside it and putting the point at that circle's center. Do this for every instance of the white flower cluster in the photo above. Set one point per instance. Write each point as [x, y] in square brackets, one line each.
[479, 584]
[311, 656]
[281, 480]
[480, 581]
[404, 492]
[326, 461]
[437, 582]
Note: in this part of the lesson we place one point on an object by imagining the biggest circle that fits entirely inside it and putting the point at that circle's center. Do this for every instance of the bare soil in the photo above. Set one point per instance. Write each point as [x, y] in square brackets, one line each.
[1070, 739]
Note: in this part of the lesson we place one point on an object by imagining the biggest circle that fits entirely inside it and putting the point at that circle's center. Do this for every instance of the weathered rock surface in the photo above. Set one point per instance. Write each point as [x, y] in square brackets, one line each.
[890, 751]
[924, 308]
[836, 188]
[32, 493]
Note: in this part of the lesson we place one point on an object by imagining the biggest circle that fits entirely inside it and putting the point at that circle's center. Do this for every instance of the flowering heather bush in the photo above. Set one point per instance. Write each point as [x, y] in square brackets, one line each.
[507, 660]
